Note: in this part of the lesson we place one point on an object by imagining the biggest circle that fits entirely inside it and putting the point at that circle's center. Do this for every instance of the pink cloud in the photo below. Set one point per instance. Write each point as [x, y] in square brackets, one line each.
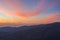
[25, 12]
[54, 17]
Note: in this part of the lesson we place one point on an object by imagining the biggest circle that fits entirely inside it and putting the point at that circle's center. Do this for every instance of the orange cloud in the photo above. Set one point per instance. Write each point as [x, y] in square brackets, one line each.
[20, 14]
[37, 10]
[50, 18]
[53, 17]
[22, 10]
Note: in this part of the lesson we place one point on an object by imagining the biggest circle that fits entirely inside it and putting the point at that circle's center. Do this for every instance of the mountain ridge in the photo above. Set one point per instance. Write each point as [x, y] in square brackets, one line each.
[35, 32]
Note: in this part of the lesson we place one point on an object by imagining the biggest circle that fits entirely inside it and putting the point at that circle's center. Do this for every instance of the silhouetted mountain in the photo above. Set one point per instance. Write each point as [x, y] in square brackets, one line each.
[34, 32]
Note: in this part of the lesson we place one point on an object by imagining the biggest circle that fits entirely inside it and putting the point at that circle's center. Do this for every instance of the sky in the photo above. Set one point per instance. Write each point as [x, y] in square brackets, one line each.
[29, 12]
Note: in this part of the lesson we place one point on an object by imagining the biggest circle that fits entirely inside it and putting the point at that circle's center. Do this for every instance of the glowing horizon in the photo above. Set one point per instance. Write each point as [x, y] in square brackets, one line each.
[19, 11]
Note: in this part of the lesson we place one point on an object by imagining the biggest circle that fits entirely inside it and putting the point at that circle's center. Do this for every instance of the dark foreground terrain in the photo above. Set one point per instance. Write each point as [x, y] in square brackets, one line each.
[34, 32]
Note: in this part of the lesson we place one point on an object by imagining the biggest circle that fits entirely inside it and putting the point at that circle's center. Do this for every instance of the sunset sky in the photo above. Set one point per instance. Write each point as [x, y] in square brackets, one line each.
[27, 12]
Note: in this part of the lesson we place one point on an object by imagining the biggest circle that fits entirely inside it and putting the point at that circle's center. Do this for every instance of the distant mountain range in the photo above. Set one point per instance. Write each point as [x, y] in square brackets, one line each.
[34, 32]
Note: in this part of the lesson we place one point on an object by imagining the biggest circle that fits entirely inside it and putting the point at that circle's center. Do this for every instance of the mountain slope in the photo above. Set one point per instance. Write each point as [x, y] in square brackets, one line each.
[35, 32]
